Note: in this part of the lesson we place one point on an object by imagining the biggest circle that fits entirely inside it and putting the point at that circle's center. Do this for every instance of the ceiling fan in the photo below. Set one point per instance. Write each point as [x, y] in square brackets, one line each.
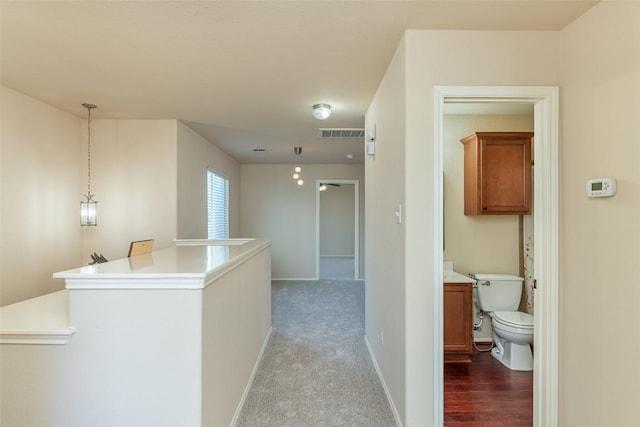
[323, 186]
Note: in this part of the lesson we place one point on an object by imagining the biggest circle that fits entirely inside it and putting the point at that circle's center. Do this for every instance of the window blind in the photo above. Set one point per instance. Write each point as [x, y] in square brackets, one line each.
[217, 206]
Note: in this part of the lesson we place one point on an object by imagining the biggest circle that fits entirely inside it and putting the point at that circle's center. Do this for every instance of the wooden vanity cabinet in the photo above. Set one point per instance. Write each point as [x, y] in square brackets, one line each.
[458, 322]
[497, 173]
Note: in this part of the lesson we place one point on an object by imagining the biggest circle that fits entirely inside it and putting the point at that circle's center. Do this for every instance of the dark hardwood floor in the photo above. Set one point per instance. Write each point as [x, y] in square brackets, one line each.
[485, 393]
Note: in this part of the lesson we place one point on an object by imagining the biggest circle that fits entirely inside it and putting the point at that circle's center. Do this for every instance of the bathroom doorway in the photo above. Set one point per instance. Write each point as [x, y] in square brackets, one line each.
[497, 247]
[545, 254]
[504, 239]
[337, 229]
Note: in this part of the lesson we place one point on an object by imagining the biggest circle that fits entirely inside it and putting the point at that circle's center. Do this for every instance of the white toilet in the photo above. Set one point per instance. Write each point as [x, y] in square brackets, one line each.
[498, 295]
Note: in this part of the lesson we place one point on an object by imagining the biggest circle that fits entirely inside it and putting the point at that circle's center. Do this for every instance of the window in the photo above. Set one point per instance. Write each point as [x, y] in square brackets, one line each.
[217, 206]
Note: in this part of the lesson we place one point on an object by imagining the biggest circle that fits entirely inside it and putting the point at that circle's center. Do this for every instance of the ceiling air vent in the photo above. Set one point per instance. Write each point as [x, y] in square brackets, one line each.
[341, 133]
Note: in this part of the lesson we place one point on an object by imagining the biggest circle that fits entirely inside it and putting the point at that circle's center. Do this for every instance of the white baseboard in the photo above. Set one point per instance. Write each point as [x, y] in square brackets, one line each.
[396, 416]
[308, 279]
[337, 256]
[234, 421]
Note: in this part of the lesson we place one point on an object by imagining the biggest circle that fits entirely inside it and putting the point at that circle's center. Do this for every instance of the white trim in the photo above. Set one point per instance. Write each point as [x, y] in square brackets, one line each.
[438, 259]
[45, 337]
[211, 242]
[545, 100]
[120, 274]
[356, 224]
[129, 281]
[336, 256]
[252, 377]
[396, 416]
[40, 320]
[546, 262]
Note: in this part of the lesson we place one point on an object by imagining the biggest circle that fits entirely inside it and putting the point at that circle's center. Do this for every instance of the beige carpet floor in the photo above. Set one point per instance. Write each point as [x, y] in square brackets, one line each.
[316, 370]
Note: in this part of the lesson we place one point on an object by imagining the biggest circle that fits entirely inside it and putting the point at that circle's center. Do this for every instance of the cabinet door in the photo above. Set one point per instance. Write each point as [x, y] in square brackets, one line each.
[505, 174]
[458, 322]
[497, 173]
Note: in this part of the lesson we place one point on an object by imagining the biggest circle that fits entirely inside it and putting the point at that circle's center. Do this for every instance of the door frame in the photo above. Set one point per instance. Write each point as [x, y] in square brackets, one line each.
[356, 223]
[545, 209]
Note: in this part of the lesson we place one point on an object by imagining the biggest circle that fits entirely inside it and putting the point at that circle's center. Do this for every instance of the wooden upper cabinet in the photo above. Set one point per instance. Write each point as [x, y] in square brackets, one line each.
[497, 173]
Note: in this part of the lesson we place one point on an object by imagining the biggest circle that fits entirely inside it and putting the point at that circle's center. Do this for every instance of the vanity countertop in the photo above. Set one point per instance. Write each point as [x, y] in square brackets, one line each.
[450, 276]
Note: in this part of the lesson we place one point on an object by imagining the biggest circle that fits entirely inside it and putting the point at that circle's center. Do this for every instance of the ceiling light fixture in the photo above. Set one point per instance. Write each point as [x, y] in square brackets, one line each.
[88, 207]
[321, 111]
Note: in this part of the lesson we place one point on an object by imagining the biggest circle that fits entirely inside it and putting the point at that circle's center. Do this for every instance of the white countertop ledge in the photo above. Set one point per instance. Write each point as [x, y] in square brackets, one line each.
[191, 264]
[212, 242]
[41, 320]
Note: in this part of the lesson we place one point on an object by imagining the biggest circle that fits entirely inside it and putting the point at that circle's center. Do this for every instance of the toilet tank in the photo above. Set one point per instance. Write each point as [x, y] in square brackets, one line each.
[498, 292]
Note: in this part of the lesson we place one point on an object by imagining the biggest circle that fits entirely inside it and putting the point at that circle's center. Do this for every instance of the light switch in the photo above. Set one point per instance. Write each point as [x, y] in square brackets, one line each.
[398, 214]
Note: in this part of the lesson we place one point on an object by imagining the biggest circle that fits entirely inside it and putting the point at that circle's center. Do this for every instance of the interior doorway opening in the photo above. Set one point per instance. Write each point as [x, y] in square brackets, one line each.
[337, 229]
[498, 248]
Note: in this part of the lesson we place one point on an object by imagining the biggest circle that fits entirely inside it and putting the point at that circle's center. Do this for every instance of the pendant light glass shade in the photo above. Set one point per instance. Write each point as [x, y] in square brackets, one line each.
[89, 211]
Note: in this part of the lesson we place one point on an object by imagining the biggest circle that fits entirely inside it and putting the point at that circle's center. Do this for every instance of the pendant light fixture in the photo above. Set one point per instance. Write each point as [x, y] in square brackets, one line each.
[88, 207]
[297, 171]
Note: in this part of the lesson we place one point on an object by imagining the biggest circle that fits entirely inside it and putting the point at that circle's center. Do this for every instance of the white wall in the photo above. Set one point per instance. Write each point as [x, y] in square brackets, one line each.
[477, 243]
[599, 375]
[337, 210]
[430, 58]
[461, 58]
[195, 155]
[134, 179]
[236, 323]
[385, 240]
[274, 207]
[149, 177]
[40, 196]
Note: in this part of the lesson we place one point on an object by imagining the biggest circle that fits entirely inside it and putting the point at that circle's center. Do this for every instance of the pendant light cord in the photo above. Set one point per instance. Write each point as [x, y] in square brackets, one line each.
[89, 107]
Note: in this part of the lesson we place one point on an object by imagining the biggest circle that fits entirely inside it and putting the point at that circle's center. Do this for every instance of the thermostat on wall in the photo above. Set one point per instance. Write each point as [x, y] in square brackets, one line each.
[601, 187]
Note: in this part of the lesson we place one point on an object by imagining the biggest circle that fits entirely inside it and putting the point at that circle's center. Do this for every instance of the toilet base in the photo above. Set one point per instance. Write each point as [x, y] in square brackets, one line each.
[517, 357]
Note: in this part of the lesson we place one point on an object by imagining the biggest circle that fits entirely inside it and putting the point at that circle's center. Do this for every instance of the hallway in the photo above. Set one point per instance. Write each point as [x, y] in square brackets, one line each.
[337, 267]
[316, 370]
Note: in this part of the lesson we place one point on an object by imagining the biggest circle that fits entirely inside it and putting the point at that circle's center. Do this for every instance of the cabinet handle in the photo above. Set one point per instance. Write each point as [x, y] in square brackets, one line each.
[484, 208]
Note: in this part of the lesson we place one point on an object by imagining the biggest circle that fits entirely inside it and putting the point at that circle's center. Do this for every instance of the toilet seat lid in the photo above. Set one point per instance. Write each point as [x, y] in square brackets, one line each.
[516, 319]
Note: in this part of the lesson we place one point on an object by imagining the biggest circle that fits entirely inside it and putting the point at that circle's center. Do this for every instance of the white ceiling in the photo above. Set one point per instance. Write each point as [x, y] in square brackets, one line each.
[243, 74]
